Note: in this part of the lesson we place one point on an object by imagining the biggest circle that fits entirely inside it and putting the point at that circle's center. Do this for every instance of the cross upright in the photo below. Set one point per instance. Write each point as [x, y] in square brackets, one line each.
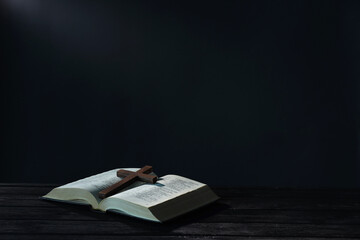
[128, 178]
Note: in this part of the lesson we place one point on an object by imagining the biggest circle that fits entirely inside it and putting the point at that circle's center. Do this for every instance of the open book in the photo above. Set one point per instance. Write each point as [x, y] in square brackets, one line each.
[169, 197]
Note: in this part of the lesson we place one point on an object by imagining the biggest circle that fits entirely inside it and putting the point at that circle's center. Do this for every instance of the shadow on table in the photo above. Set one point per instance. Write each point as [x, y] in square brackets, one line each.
[201, 215]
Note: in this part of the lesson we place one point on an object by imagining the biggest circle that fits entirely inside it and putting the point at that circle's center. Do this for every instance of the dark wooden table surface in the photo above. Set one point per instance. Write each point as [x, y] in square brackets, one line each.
[242, 213]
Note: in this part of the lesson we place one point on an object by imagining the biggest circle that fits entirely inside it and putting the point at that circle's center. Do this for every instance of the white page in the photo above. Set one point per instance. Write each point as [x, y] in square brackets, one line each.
[94, 184]
[167, 187]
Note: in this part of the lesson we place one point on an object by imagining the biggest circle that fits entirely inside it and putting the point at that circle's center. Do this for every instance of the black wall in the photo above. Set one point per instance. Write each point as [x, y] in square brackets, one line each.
[247, 93]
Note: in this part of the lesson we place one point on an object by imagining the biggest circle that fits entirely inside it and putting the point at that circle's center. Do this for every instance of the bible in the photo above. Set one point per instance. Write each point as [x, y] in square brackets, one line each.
[170, 197]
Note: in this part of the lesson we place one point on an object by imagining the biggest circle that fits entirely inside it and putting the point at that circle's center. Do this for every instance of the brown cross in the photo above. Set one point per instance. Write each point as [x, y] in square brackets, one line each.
[128, 178]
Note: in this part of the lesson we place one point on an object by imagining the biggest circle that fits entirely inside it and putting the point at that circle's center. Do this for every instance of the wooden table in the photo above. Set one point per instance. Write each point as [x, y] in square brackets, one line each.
[242, 213]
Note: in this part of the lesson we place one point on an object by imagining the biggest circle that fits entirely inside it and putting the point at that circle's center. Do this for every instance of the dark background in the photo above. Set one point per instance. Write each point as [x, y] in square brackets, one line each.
[231, 93]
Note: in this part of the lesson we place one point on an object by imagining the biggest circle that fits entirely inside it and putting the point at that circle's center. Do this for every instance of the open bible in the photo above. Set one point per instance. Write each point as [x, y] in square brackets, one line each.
[169, 197]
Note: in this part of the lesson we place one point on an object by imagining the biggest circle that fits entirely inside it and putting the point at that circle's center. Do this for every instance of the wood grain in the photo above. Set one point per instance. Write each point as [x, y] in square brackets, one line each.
[239, 214]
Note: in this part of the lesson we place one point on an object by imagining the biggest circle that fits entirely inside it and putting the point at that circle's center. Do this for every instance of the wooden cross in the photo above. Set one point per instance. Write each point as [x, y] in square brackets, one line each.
[128, 178]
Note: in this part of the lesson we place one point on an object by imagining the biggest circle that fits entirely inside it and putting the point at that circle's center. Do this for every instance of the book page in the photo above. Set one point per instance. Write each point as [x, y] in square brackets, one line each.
[167, 187]
[94, 184]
